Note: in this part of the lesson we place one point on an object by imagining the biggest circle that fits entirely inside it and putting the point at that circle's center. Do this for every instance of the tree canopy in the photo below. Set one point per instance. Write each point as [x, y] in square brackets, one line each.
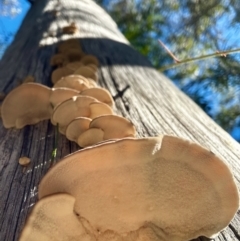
[189, 28]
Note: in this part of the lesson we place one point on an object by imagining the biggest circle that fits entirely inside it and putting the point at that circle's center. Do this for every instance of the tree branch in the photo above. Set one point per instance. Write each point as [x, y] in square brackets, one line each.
[218, 53]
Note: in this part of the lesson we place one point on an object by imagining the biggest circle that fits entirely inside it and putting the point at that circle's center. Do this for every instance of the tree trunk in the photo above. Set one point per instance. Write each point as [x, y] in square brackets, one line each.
[142, 94]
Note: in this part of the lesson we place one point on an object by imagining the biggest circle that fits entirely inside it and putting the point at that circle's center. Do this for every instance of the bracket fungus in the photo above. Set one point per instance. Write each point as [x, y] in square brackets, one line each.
[68, 44]
[58, 73]
[75, 82]
[90, 137]
[100, 94]
[29, 79]
[74, 55]
[24, 161]
[70, 29]
[113, 126]
[76, 127]
[53, 218]
[57, 60]
[99, 109]
[165, 184]
[27, 104]
[87, 73]
[61, 94]
[90, 59]
[74, 65]
[65, 112]
[93, 67]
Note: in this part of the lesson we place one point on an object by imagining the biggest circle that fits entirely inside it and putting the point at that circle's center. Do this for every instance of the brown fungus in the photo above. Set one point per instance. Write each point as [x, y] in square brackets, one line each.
[90, 137]
[99, 109]
[90, 59]
[65, 112]
[27, 104]
[76, 127]
[24, 161]
[70, 43]
[53, 219]
[87, 73]
[58, 73]
[70, 29]
[74, 65]
[162, 185]
[114, 126]
[61, 94]
[75, 82]
[100, 94]
[58, 60]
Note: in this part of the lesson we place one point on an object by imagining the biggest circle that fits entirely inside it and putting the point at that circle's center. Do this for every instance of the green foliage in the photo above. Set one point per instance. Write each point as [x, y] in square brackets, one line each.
[189, 28]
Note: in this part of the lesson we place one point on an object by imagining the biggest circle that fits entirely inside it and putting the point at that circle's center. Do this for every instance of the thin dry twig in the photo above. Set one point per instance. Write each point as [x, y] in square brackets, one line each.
[169, 51]
[218, 53]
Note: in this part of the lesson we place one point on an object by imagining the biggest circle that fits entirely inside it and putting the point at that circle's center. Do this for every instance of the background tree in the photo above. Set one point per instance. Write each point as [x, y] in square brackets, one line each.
[189, 28]
[141, 93]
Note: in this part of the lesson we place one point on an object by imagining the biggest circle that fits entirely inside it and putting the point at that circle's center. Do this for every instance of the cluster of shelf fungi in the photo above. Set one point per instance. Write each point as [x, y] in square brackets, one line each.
[118, 187]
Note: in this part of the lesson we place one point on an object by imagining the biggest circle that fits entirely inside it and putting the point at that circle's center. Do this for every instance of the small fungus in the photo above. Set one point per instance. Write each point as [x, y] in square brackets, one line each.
[29, 79]
[90, 59]
[70, 29]
[87, 73]
[74, 65]
[114, 126]
[75, 82]
[90, 137]
[99, 108]
[61, 94]
[65, 112]
[27, 104]
[57, 60]
[24, 161]
[73, 55]
[76, 127]
[93, 67]
[100, 94]
[70, 43]
[58, 73]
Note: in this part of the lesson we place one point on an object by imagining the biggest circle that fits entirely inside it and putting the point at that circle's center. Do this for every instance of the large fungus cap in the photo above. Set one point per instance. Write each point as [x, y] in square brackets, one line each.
[61, 94]
[114, 126]
[77, 106]
[58, 73]
[99, 93]
[27, 104]
[76, 127]
[53, 219]
[175, 188]
[75, 82]
[87, 73]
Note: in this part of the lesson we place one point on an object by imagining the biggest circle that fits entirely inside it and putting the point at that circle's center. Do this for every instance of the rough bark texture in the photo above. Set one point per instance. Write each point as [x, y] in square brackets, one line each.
[141, 94]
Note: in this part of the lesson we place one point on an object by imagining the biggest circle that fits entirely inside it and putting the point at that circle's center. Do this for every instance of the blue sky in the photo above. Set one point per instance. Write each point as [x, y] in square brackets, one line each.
[10, 25]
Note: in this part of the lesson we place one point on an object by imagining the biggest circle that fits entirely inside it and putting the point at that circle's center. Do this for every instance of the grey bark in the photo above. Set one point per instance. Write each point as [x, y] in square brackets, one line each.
[141, 94]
